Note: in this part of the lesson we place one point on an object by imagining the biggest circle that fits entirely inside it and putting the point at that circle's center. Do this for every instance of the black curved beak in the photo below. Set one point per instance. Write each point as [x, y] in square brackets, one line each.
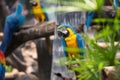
[33, 2]
[63, 32]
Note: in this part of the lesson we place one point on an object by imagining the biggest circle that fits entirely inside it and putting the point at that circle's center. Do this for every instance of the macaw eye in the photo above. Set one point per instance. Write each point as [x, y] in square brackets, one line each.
[60, 34]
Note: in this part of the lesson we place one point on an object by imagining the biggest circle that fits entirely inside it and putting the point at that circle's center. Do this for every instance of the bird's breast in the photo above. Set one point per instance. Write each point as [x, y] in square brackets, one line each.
[37, 10]
[71, 42]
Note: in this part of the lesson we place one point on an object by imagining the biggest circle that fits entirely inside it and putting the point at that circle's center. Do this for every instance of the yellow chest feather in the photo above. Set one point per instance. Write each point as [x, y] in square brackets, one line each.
[71, 42]
[37, 9]
[39, 14]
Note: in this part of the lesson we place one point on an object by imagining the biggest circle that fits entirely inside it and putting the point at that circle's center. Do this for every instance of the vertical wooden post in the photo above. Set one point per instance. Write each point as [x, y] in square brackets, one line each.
[44, 60]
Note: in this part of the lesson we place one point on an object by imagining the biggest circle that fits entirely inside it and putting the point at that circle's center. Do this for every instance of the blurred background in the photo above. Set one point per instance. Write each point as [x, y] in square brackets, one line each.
[33, 59]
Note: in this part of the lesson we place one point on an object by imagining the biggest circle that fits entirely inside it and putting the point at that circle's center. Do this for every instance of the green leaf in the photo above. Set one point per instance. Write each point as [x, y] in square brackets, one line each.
[101, 65]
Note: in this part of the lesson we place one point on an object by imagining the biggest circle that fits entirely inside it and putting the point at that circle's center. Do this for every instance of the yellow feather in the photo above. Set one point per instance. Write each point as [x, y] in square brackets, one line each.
[71, 42]
[38, 12]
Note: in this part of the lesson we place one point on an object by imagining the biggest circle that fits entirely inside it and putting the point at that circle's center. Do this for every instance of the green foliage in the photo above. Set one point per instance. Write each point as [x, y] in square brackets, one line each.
[76, 5]
[90, 66]
[96, 56]
[99, 4]
[8, 68]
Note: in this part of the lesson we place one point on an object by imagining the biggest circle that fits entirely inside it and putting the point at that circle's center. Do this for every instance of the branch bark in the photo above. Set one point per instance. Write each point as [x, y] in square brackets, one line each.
[29, 33]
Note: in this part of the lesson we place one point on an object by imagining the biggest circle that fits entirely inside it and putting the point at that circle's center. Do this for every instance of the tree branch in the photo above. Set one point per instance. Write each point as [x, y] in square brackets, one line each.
[29, 33]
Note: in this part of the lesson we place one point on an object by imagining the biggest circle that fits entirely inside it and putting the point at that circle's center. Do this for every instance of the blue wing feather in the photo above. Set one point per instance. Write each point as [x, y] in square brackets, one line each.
[64, 46]
[80, 43]
[12, 22]
[7, 37]
[2, 72]
[89, 18]
[45, 13]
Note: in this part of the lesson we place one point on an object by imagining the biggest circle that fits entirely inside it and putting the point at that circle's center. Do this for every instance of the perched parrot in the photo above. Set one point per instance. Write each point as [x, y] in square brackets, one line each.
[13, 22]
[41, 16]
[70, 39]
[39, 11]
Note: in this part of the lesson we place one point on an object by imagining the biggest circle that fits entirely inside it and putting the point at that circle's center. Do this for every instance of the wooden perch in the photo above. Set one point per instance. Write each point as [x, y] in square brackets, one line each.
[29, 33]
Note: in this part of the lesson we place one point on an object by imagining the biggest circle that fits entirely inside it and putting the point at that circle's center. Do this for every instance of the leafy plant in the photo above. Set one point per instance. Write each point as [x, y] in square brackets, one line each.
[8, 68]
[96, 56]
[90, 66]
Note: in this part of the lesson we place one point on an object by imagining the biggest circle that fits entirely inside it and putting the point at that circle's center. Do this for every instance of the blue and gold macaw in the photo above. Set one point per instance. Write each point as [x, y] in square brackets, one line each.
[13, 22]
[39, 11]
[70, 39]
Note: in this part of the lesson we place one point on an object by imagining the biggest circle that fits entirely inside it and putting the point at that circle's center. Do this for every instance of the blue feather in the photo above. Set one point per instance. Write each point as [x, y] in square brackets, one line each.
[2, 72]
[13, 22]
[80, 43]
[45, 13]
[64, 46]
[89, 18]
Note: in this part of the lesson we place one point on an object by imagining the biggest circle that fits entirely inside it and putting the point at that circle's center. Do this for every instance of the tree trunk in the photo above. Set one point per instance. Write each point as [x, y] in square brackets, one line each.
[44, 60]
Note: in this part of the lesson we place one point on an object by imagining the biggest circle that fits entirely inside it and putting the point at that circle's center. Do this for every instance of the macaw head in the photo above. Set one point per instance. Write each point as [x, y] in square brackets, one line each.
[34, 2]
[65, 30]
